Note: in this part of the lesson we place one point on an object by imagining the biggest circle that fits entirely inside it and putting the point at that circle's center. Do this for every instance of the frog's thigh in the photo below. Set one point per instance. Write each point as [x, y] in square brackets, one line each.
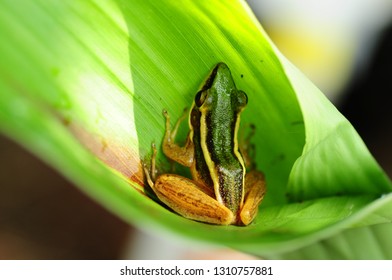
[184, 197]
[255, 189]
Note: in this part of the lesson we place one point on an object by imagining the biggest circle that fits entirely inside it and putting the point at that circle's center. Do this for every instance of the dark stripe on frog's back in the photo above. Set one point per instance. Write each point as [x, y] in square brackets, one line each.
[201, 165]
[220, 144]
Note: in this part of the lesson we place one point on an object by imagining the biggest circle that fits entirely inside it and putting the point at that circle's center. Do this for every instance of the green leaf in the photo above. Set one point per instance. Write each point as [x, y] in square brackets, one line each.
[333, 148]
[83, 85]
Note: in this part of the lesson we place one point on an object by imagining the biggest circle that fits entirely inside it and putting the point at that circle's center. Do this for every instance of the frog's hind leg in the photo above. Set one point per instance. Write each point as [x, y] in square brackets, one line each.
[150, 174]
[187, 199]
[255, 189]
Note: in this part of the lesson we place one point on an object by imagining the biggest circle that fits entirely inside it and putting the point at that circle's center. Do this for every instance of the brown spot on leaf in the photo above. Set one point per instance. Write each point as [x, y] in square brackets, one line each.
[123, 159]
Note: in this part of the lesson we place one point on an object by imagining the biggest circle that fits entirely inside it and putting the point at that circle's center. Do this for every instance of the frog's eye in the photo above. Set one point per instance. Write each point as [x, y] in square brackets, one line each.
[242, 98]
[200, 97]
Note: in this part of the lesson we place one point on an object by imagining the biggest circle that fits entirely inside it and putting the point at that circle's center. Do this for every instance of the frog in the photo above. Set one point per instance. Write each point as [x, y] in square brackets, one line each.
[221, 190]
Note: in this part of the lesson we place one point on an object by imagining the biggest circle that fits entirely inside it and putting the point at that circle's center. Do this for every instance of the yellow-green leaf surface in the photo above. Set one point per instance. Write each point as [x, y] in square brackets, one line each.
[83, 85]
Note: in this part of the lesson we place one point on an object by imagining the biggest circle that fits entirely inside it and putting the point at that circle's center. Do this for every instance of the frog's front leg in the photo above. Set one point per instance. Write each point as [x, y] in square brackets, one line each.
[247, 149]
[255, 189]
[183, 155]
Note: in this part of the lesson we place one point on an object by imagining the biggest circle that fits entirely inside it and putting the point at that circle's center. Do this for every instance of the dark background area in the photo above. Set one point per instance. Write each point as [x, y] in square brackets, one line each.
[43, 216]
[368, 105]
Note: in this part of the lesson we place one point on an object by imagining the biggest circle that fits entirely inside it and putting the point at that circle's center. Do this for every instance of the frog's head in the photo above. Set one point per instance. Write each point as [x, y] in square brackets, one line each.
[220, 93]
